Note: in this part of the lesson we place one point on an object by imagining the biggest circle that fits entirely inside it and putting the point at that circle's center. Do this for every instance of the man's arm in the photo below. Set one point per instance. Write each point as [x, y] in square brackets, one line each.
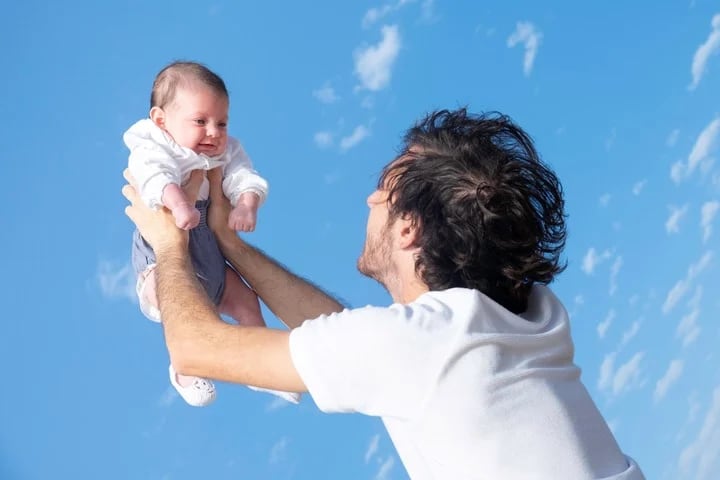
[198, 341]
[291, 298]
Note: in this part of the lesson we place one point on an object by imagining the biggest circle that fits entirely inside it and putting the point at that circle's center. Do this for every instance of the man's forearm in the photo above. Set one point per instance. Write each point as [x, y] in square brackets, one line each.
[201, 344]
[292, 299]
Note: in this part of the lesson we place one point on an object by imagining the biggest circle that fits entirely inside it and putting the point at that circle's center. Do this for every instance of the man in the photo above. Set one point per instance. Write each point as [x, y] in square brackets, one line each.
[471, 368]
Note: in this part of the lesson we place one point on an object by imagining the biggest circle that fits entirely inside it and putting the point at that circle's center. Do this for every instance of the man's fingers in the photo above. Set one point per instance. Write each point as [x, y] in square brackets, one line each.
[130, 193]
[128, 176]
[193, 186]
[215, 178]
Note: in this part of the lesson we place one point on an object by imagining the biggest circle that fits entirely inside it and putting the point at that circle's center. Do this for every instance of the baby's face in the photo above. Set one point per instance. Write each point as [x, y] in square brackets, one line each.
[197, 119]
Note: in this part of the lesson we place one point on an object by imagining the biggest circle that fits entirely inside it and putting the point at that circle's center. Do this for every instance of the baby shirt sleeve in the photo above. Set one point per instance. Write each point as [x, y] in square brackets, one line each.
[240, 176]
[151, 163]
[375, 361]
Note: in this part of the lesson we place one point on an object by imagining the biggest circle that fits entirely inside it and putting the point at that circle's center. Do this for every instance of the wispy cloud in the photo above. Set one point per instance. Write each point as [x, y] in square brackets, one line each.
[278, 451]
[630, 333]
[358, 135]
[373, 64]
[323, 139]
[671, 376]
[529, 37]
[276, 403]
[326, 94]
[372, 448]
[708, 48]
[707, 215]
[672, 225]
[614, 271]
[604, 199]
[116, 280]
[592, 259]
[168, 397]
[688, 329]
[377, 13]
[700, 155]
[678, 291]
[638, 187]
[385, 469]
[603, 326]
[673, 138]
[626, 376]
[702, 455]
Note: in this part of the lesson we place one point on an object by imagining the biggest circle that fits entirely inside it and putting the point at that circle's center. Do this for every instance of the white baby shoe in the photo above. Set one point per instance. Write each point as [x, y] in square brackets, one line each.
[292, 397]
[199, 394]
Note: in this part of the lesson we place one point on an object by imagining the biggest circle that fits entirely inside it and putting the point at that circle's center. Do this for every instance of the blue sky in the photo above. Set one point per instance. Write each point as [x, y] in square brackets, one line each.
[623, 102]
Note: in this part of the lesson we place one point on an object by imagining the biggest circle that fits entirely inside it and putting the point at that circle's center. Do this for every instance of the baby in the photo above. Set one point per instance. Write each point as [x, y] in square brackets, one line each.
[186, 131]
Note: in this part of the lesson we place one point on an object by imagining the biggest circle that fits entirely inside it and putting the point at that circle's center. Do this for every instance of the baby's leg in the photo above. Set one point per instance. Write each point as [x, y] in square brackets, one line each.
[239, 301]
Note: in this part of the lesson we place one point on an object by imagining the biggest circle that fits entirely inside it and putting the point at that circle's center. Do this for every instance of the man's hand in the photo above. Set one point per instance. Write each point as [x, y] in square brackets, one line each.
[219, 210]
[157, 226]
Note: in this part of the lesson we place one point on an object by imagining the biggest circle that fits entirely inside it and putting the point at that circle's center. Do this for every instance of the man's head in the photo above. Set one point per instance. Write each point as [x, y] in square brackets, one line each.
[488, 213]
[191, 103]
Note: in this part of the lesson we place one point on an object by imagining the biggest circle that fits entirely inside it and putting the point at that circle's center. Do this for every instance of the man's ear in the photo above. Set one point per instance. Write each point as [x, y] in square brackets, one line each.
[408, 232]
[157, 115]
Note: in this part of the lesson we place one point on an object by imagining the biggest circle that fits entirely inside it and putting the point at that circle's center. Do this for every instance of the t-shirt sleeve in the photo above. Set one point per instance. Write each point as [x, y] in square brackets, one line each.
[375, 361]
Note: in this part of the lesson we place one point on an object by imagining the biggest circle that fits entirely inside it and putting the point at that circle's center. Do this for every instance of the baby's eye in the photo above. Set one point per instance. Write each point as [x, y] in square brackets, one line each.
[200, 121]
[222, 124]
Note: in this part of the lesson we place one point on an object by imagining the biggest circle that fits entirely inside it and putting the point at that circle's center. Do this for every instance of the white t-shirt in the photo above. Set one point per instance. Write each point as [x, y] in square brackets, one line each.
[156, 160]
[466, 389]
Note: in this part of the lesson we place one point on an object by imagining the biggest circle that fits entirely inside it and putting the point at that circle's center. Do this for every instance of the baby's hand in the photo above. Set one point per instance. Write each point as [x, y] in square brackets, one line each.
[242, 218]
[186, 216]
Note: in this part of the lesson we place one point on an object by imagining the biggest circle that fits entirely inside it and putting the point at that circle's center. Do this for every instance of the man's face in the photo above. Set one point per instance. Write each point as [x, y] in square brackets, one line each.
[375, 261]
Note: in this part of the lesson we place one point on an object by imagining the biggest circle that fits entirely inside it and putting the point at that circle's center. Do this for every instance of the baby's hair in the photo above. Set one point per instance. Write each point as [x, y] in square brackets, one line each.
[180, 74]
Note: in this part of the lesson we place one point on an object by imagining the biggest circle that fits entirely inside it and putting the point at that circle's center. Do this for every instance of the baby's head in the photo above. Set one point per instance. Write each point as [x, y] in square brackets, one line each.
[190, 103]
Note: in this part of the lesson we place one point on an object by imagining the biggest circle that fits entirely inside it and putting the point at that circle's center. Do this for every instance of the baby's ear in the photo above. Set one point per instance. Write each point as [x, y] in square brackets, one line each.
[157, 115]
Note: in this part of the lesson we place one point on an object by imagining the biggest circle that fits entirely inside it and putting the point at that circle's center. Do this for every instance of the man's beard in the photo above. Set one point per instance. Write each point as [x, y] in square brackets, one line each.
[375, 261]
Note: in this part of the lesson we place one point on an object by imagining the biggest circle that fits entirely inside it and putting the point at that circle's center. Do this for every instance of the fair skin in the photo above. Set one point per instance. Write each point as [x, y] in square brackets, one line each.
[201, 344]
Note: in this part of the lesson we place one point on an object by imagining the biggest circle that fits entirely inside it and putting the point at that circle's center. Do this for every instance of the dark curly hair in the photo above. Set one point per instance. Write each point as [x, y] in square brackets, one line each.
[489, 211]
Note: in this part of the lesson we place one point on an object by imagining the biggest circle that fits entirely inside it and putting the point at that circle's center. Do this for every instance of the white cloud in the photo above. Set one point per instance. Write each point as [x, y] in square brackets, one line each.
[168, 397]
[592, 259]
[526, 34]
[323, 139]
[700, 155]
[708, 48]
[276, 403]
[603, 326]
[606, 371]
[672, 225]
[377, 13]
[630, 333]
[326, 94]
[373, 64]
[357, 136]
[707, 214]
[673, 138]
[604, 199]
[116, 281]
[385, 468]
[372, 448]
[278, 451]
[614, 271]
[702, 455]
[671, 376]
[688, 329]
[628, 374]
[682, 286]
[638, 187]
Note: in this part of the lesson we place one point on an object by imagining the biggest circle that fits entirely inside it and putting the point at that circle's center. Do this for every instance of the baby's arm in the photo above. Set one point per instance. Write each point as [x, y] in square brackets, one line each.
[244, 187]
[158, 175]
